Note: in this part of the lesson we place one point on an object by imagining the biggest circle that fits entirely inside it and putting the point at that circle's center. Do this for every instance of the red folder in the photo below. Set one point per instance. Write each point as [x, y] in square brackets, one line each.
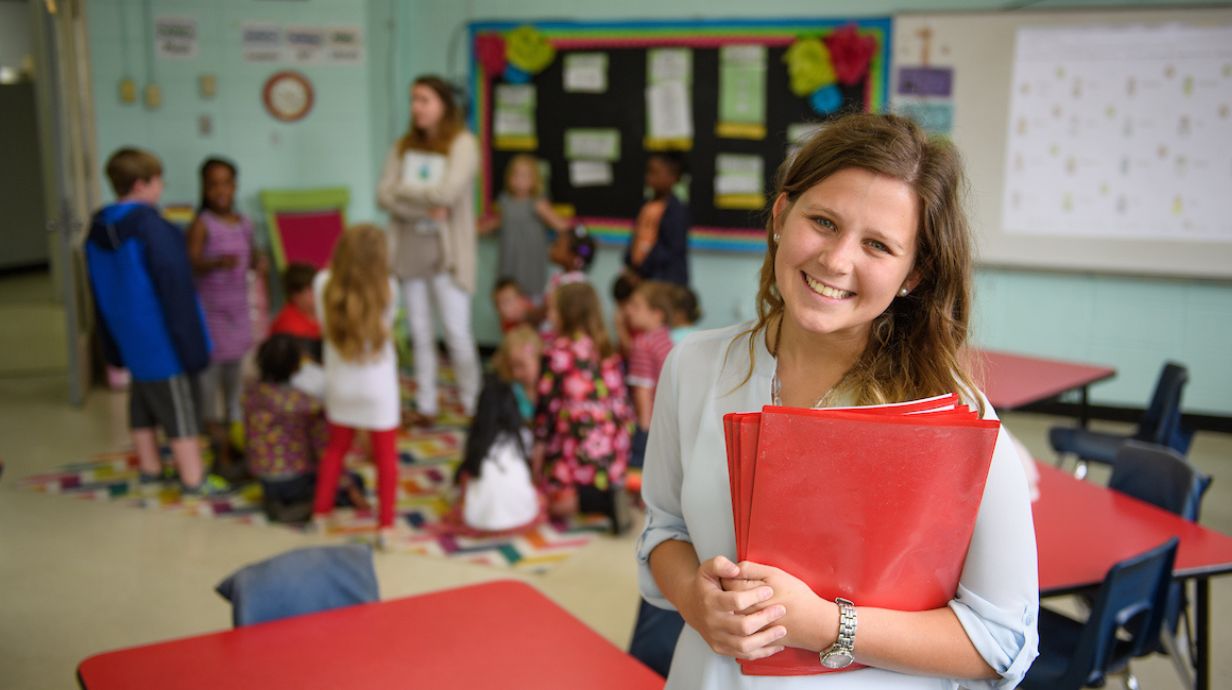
[873, 504]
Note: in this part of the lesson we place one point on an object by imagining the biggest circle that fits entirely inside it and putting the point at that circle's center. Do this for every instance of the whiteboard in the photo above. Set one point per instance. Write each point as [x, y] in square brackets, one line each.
[1093, 141]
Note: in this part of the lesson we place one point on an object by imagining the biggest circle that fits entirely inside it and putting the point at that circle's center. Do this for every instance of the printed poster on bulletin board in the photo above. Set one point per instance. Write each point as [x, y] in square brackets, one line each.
[591, 100]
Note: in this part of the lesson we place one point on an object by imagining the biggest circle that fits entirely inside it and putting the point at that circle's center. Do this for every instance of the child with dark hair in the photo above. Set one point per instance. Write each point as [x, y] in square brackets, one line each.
[220, 245]
[513, 306]
[622, 290]
[659, 249]
[495, 479]
[298, 316]
[286, 433]
[572, 252]
[686, 312]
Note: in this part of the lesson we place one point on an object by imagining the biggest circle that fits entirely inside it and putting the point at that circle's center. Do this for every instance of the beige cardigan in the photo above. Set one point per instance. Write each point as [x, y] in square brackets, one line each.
[456, 191]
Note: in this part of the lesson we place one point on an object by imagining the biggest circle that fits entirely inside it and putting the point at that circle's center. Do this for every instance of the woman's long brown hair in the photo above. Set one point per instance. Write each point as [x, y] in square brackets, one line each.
[357, 294]
[577, 305]
[416, 138]
[917, 346]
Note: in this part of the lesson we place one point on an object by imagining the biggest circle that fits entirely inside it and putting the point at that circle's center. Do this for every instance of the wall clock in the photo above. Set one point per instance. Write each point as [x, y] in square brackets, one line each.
[287, 96]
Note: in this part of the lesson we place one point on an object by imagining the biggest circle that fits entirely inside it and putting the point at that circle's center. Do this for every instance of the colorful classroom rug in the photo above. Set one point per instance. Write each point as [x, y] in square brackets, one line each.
[425, 475]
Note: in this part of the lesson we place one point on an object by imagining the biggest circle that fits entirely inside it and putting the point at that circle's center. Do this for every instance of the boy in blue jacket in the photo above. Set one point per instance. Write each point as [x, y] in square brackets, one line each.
[149, 318]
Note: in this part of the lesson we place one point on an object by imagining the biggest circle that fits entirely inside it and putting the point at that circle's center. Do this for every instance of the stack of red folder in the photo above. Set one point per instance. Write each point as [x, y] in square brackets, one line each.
[873, 504]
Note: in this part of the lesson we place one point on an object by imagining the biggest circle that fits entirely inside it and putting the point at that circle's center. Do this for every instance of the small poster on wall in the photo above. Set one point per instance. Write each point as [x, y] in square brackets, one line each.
[585, 73]
[175, 37]
[738, 183]
[344, 45]
[306, 44]
[262, 42]
[513, 119]
[742, 92]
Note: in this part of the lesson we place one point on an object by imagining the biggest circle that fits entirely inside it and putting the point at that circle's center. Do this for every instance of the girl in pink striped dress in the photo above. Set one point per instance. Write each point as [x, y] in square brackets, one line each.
[220, 246]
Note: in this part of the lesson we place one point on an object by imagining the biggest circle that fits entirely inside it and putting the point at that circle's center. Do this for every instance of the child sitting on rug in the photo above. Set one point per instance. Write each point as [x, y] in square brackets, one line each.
[286, 433]
[497, 493]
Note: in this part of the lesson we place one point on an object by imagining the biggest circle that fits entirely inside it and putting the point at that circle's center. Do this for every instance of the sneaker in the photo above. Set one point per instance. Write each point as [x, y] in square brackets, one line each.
[385, 538]
[211, 485]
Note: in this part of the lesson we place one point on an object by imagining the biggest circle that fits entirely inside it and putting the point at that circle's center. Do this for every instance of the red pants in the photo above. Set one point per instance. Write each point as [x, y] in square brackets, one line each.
[330, 468]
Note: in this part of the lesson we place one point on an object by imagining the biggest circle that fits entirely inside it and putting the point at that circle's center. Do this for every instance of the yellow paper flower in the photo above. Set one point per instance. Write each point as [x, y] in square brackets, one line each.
[528, 50]
[808, 66]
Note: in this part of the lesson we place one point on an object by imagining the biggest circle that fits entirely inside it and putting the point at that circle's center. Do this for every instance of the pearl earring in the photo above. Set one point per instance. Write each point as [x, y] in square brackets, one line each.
[777, 236]
[902, 292]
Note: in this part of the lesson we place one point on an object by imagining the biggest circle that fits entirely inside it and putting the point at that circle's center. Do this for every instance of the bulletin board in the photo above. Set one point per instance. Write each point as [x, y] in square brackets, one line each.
[591, 100]
[1093, 141]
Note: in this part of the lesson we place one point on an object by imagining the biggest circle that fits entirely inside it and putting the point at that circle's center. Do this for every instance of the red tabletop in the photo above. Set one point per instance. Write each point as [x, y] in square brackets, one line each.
[501, 634]
[1012, 381]
[1081, 529]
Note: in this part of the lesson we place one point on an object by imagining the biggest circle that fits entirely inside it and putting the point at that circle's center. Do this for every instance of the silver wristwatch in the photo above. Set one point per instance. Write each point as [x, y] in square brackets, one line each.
[842, 652]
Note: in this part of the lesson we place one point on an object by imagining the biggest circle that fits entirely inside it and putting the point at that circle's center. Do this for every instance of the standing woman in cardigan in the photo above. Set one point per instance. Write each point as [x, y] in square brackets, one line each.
[428, 187]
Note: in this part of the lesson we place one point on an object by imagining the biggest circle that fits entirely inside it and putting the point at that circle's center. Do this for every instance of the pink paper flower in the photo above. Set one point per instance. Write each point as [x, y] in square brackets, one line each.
[490, 51]
[851, 53]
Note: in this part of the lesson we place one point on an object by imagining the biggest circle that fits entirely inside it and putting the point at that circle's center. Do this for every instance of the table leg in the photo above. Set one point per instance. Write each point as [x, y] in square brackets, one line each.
[1084, 412]
[1202, 631]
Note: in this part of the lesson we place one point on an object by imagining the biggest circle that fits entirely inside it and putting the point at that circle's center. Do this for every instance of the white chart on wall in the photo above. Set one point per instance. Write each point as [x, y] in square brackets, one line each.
[1120, 133]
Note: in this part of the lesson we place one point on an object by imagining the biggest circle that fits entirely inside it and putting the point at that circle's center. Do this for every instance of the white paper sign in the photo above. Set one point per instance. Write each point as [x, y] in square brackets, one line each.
[513, 123]
[592, 144]
[738, 174]
[669, 111]
[306, 44]
[262, 42]
[670, 64]
[175, 37]
[515, 96]
[585, 73]
[422, 170]
[590, 173]
[344, 45]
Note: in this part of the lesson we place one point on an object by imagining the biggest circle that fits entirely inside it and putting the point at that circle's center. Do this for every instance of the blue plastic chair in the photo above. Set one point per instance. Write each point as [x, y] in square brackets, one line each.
[316, 578]
[1131, 600]
[1161, 477]
[1160, 424]
[654, 637]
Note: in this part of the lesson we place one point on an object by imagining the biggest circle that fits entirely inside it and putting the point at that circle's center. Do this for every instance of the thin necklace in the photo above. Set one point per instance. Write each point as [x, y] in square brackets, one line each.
[776, 384]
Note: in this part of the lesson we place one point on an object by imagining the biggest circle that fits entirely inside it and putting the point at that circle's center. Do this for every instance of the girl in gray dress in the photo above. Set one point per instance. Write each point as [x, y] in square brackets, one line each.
[523, 218]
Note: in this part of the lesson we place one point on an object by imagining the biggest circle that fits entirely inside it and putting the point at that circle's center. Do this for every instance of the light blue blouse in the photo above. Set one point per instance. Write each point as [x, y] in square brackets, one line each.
[687, 499]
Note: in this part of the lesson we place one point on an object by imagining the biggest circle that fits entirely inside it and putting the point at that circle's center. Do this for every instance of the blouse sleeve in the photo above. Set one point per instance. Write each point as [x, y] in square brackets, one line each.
[460, 170]
[663, 474]
[387, 196]
[998, 594]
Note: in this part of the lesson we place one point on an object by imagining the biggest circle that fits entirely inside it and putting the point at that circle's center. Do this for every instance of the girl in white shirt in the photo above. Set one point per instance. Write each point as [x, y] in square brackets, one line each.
[498, 493]
[356, 304]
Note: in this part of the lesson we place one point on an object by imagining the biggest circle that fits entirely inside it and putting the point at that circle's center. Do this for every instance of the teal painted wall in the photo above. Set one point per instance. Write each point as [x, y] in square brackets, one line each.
[1133, 324]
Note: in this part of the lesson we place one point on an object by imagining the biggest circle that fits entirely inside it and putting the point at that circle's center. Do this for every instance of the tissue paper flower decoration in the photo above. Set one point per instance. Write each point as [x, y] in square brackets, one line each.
[528, 50]
[808, 66]
[850, 53]
[513, 75]
[826, 100]
[490, 50]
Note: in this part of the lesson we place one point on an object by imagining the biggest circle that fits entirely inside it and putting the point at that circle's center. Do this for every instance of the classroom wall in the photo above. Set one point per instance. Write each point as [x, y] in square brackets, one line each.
[1133, 324]
[330, 147]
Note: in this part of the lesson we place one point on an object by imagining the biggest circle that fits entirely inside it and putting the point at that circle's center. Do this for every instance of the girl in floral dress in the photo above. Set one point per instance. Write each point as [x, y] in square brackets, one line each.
[582, 416]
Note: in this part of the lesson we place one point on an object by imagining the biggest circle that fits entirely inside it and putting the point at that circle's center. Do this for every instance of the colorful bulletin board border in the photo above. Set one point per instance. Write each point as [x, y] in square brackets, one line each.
[571, 36]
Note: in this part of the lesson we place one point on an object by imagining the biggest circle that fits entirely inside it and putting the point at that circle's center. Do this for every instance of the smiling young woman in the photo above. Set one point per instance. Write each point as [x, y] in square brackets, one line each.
[864, 297]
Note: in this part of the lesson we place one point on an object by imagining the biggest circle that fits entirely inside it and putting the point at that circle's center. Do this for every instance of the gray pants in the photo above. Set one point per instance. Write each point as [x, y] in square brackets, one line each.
[224, 377]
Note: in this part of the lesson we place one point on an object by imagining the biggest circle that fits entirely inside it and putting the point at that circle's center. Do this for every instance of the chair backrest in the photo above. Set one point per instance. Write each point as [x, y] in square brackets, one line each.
[1160, 476]
[1131, 602]
[302, 581]
[1162, 418]
[304, 224]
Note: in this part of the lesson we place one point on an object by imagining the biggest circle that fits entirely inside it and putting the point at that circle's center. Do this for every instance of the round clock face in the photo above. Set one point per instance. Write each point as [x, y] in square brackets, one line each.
[288, 96]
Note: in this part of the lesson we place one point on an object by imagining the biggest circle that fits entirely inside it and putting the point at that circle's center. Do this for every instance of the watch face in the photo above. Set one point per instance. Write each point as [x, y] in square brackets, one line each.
[839, 659]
